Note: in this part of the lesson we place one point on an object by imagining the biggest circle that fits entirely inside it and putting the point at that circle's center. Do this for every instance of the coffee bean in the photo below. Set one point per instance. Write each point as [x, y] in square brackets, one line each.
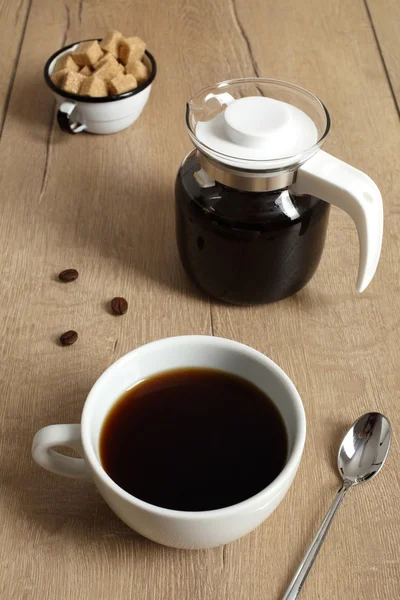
[68, 275]
[68, 338]
[119, 306]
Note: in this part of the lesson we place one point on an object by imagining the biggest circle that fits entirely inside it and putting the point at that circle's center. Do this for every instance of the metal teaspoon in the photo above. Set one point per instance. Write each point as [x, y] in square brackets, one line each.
[361, 456]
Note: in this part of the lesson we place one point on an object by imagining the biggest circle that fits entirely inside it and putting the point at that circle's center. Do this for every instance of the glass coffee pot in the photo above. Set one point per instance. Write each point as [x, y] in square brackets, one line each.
[253, 197]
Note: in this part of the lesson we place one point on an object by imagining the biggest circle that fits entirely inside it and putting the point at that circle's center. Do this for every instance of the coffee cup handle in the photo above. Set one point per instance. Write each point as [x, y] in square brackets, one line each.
[51, 460]
[64, 119]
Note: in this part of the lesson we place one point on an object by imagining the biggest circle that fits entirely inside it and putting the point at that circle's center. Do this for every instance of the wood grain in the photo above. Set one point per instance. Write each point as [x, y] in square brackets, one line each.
[13, 19]
[105, 206]
[385, 17]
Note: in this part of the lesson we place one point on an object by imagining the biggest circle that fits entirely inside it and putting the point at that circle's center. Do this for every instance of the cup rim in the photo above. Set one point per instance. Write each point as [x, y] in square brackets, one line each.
[89, 99]
[269, 492]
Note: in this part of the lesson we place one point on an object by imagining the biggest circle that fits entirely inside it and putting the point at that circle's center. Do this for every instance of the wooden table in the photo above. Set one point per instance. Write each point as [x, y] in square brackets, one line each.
[105, 205]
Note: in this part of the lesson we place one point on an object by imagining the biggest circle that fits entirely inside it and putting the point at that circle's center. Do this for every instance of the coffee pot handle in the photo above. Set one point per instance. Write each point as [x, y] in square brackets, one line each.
[342, 185]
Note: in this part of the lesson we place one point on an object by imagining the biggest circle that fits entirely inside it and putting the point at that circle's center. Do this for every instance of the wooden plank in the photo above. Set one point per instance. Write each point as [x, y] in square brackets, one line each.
[385, 17]
[341, 349]
[13, 18]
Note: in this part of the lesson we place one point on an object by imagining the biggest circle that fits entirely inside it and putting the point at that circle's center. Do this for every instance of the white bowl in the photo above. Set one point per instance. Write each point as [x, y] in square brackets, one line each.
[104, 115]
[180, 529]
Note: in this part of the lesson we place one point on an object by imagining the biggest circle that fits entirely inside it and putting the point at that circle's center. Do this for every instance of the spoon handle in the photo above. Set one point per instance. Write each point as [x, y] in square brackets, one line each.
[301, 574]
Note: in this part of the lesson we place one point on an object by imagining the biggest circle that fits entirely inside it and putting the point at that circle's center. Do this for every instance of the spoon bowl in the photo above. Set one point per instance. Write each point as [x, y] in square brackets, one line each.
[364, 448]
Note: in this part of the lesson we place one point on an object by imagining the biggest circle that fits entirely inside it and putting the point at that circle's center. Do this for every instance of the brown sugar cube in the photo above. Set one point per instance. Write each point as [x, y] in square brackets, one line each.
[106, 59]
[122, 83]
[112, 41]
[138, 70]
[87, 53]
[65, 62]
[87, 71]
[131, 48]
[72, 82]
[58, 77]
[108, 67]
[93, 86]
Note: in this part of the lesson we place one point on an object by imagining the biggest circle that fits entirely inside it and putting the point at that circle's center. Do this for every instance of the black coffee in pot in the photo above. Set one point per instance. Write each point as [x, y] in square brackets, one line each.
[247, 247]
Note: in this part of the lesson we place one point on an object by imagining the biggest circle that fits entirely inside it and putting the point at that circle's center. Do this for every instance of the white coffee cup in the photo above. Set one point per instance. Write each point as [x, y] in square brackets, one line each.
[180, 529]
[98, 115]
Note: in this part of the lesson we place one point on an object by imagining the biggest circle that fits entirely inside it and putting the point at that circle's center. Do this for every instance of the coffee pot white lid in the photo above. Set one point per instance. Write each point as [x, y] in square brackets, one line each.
[257, 129]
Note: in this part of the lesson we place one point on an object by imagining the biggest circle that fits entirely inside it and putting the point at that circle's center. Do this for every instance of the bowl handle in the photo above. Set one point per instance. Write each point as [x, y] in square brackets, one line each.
[64, 118]
[48, 458]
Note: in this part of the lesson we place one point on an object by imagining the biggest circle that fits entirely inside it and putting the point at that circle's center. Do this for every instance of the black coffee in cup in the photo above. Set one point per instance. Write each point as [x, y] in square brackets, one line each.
[193, 439]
